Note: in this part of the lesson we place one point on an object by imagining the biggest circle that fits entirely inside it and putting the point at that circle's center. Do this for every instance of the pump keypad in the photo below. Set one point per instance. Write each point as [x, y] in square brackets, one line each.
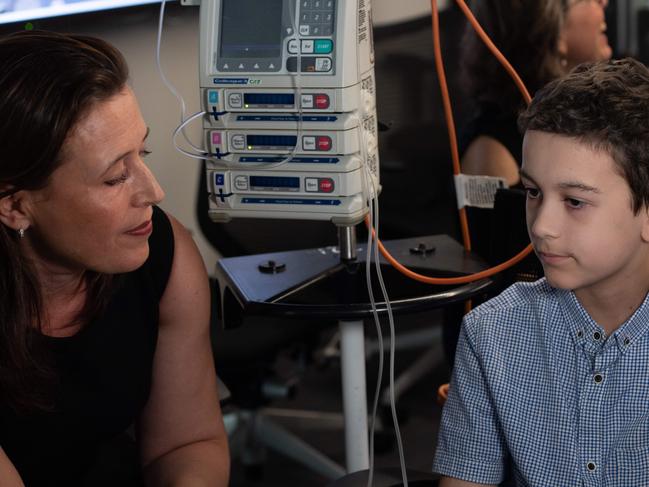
[317, 17]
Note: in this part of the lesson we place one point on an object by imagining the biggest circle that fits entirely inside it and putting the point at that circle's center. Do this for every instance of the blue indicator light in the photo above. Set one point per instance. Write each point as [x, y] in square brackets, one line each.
[213, 96]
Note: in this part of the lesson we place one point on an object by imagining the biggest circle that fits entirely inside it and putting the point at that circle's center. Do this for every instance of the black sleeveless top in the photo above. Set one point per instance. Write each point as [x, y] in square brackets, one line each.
[491, 121]
[104, 378]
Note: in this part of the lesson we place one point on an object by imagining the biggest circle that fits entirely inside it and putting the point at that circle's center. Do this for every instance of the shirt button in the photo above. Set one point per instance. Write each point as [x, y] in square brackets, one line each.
[591, 466]
[598, 378]
[597, 335]
[580, 334]
[627, 340]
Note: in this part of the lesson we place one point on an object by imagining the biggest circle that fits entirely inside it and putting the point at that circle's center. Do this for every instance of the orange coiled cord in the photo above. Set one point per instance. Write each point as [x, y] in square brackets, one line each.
[448, 113]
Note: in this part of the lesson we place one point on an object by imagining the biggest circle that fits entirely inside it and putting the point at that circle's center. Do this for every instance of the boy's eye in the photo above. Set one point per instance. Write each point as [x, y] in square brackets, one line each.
[574, 203]
[144, 153]
[532, 193]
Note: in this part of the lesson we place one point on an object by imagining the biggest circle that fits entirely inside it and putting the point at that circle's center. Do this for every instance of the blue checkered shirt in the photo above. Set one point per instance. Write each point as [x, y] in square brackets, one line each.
[541, 397]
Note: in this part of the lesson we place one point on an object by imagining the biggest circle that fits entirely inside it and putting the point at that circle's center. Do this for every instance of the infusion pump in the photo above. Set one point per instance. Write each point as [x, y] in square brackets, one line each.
[290, 123]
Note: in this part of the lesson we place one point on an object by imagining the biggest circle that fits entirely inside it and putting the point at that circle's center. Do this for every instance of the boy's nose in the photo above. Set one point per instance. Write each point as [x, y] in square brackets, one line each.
[543, 223]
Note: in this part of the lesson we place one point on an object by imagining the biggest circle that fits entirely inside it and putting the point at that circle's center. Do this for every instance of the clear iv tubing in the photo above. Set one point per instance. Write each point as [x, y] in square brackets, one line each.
[168, 84]
[370, 193]
[374, 216]
[455, 155]
[181, 128]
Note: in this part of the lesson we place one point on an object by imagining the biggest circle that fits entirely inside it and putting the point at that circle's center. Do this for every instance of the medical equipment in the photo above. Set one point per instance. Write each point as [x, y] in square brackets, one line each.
[288, 91]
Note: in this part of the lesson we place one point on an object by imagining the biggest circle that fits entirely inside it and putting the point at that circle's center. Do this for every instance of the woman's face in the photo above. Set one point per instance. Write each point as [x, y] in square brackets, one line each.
[95, 213]
[584, 33]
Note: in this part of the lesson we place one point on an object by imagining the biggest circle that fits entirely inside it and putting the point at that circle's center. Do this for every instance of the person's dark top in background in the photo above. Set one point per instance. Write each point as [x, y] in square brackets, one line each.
[104, 374]
[490, 121]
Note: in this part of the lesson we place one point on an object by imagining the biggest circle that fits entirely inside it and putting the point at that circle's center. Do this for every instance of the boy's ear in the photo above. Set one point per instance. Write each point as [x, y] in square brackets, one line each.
[13, 212]
[645, 225]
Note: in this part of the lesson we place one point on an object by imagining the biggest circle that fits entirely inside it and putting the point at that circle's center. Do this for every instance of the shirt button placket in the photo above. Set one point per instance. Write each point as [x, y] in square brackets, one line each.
[590, 424]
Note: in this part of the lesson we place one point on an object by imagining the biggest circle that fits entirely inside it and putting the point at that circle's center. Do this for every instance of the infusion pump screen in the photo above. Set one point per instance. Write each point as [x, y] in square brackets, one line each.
[269, 36]
[251, 29]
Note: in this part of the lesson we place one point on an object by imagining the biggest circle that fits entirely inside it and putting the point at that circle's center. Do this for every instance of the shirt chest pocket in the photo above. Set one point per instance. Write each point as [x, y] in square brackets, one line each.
[630, 460]
[636, 437]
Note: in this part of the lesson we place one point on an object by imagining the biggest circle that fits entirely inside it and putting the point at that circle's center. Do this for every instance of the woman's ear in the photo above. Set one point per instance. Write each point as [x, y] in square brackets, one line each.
[562, 45]
[13, 212]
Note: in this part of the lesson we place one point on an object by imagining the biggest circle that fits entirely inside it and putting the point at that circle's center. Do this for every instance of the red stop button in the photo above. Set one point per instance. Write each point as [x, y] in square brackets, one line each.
[322, 101]
[326, 185]
[324, 143]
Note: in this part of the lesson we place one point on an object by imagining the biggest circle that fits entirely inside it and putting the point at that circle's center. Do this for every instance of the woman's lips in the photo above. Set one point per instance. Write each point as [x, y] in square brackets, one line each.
[143, 229]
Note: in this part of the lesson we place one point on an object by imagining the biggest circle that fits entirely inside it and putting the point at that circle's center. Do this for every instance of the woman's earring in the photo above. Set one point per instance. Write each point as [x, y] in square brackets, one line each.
[21, 232]
[564, 62]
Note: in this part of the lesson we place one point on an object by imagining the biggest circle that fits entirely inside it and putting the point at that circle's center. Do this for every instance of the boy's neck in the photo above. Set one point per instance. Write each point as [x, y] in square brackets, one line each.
[611, 308]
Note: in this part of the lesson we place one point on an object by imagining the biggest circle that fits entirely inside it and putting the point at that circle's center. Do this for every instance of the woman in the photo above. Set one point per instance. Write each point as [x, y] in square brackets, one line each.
[104, 298]
[542, 40]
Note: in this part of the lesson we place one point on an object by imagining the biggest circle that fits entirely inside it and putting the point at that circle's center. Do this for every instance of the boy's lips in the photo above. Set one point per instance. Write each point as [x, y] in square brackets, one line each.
[551, 257]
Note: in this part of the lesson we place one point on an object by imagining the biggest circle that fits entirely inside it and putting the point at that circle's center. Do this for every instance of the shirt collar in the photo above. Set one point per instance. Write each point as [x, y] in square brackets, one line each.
[585, 331]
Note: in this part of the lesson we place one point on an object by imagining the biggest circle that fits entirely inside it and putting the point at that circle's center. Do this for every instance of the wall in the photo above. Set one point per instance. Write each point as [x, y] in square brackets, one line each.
[385, 12]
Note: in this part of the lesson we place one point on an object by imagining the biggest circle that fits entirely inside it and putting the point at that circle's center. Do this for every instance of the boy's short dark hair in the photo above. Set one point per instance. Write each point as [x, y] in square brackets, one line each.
[604, 104]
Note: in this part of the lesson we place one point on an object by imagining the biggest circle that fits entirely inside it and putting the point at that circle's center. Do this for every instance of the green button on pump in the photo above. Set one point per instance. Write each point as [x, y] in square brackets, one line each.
[323, 46]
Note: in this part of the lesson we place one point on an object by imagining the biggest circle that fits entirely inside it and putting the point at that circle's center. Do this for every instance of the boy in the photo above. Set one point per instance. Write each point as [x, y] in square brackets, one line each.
[551, 380]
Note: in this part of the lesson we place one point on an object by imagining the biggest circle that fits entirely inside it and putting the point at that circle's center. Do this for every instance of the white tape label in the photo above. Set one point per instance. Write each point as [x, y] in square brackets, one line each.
[478, 191]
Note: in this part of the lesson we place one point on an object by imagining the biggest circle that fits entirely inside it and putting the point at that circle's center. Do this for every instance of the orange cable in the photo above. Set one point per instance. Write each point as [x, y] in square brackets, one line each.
[455, 154]
[492, 47]
[448, 115]
[449, 280]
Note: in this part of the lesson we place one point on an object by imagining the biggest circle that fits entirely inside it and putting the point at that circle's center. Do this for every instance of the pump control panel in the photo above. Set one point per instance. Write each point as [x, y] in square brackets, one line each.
[288, 91]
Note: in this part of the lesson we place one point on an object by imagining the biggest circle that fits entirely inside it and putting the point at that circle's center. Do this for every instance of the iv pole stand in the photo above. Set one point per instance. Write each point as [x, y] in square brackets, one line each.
[352, 356]
[320, 283]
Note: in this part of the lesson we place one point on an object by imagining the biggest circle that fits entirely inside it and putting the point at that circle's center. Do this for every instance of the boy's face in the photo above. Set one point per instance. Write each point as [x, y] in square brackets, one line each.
[580, 217]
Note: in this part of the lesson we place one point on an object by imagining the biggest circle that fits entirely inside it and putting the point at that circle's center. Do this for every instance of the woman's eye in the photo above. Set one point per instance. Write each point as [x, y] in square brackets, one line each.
[119, 180]
[144, 153]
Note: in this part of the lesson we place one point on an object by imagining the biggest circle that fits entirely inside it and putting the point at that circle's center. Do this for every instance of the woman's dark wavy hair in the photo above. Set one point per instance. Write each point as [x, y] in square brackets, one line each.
[605, 105]
[48, 81]
[527, 33]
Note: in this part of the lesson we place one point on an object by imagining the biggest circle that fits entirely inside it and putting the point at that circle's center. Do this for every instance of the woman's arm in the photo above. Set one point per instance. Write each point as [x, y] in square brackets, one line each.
[488, 157]
[8, 472]
[181, 432]
[451, 482]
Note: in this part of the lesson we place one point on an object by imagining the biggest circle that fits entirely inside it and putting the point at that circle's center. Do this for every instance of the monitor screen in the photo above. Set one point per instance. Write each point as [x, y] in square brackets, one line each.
[27, 10]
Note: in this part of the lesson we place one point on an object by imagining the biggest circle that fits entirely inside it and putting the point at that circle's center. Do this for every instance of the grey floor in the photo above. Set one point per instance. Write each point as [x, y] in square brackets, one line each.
[320, 390]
